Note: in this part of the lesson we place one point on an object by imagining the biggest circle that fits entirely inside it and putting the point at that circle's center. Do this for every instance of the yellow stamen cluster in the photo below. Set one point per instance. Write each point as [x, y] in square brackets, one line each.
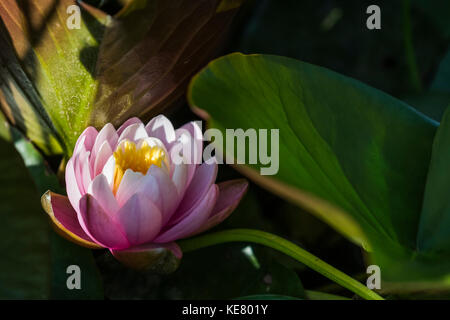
[129, 156]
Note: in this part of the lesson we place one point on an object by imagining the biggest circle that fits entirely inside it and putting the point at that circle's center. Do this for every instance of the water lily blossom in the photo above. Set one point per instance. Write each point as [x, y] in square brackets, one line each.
[126, 193]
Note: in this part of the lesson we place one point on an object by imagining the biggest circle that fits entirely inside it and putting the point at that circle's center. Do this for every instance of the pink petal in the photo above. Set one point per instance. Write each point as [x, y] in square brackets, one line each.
[193, 220]
[73, 191]
[128, 186]
[65, 218]
[180, 178]
[196, 140]
[133, 133]
[109, 134]
[160, 127]
[86, 139]
[156, 185]
[133, 183]
[100, 225]
[149, 187]
[106, 134]
[82, 169]
[140, 218]
[127, 123]
[204, 177]
[168, 192]
[188, 137]
[103, 155]
[230, 194]
[101, 191]
[108, 170]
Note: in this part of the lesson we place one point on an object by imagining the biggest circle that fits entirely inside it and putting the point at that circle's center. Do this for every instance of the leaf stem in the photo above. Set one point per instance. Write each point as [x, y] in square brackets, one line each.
[282, 245]
[409, 47]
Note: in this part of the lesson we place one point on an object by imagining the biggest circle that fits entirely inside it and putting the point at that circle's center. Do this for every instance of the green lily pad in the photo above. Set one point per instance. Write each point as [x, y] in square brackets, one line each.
[354, 156]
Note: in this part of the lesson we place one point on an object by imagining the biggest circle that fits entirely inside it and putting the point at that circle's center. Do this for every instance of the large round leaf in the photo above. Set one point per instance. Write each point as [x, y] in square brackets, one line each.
[356, 157]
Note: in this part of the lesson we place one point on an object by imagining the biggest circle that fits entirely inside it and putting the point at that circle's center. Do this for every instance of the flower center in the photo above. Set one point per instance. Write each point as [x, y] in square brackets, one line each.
[138, 159]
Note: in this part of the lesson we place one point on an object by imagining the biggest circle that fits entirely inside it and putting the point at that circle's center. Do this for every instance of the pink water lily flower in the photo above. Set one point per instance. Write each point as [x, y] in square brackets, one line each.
[126, 193]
